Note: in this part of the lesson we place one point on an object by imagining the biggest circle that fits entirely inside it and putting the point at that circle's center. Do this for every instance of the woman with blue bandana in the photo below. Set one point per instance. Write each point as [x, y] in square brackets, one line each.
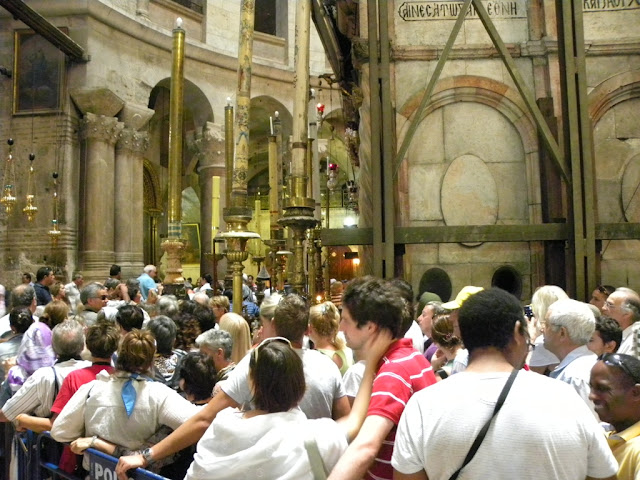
[127, 407]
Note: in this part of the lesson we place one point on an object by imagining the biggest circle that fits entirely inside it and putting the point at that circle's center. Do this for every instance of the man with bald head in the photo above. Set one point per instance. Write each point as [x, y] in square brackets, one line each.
[623, 306]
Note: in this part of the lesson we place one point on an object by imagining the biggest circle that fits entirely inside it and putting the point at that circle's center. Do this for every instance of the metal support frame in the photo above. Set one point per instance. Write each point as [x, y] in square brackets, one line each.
[479, 233]
[375, 120]
[578, 143]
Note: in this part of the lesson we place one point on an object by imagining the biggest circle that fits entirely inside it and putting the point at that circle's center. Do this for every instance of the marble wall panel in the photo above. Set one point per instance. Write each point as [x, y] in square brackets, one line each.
[512, 191]
[424, 191]
[611, 19]
[482, 131]
[427, 145]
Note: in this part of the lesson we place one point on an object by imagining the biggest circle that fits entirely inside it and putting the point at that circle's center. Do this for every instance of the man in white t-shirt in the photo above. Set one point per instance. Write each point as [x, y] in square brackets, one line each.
[324, 396]
[543, 430]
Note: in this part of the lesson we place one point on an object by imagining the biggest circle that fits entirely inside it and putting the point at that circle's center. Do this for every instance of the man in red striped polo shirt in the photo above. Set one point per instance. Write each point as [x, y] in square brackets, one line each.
[370, 305]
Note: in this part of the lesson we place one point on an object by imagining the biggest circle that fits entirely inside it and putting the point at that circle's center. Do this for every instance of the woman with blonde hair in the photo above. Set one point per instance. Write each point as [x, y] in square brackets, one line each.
[220, 305]
[238, 328]
[324, 322]
[54, 313]
[542, 360]
[267, 312]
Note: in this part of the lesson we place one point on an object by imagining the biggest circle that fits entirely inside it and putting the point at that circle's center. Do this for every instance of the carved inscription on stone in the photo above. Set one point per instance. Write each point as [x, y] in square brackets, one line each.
[446, 10]
[610, 5]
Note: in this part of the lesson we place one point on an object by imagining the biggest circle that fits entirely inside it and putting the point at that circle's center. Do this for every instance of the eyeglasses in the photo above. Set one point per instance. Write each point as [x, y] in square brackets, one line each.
[618, 360]
[102, 297]
[267, 341]
[609, 305]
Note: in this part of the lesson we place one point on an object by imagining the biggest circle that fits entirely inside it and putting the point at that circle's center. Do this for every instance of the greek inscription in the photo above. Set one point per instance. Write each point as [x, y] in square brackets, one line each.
[609, 5]
[439, 10]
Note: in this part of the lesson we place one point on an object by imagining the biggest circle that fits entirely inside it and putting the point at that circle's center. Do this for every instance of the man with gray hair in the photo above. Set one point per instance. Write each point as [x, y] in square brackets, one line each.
[37, 394]
[147, 281]
[22, 296]
[94, 299]
[218, 345]
[168, 305]
[623, 306]
[568, 327]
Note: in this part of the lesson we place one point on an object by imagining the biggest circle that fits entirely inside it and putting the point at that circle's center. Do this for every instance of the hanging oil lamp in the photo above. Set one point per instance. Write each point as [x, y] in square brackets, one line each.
[30, 209]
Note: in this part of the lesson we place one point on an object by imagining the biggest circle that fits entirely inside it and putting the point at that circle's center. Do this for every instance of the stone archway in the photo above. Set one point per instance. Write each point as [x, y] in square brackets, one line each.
[476, 149]
[613, 106]
[197, 116]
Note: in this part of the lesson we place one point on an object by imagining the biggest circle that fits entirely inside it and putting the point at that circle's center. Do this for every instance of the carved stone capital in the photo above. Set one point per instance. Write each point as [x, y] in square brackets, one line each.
[100, 127]
[98, 101]
[135, 116]
[133, 141]
[210, 146]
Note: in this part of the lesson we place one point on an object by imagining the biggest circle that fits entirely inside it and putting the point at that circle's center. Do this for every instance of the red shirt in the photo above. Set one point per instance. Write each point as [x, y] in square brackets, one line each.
[74, 381]
[403, 372]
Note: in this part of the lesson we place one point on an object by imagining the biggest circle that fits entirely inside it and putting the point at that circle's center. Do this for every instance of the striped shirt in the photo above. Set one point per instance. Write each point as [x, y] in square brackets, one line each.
[403, 372]
[37, 394]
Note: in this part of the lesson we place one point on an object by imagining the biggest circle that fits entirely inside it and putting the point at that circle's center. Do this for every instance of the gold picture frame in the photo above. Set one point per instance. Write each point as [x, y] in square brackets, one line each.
[38, 74]
[191, 236]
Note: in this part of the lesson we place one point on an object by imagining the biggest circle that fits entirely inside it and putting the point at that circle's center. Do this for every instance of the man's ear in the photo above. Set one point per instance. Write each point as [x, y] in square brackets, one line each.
[518, 334]
[371, 326]
[635, 393]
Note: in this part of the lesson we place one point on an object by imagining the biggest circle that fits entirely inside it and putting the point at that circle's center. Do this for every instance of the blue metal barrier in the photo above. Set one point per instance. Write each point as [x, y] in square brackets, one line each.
[39, 455]
[103, 467]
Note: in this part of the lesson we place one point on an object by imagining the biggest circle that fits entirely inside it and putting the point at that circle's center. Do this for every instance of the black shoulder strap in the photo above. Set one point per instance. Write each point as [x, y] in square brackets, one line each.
[56, 387]
[483, 432]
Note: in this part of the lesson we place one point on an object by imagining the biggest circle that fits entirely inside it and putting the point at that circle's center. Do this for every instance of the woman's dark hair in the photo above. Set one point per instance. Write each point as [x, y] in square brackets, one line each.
[205, 317]
[164, 329]
[199, 375]
[187, 306]
[20, 319]
[136, 351]
[278, 377]
[188, 330]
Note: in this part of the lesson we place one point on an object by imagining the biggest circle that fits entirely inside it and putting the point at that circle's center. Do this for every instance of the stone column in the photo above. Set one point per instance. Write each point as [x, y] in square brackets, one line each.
[211, 163]
[129, 190]
[99, 134]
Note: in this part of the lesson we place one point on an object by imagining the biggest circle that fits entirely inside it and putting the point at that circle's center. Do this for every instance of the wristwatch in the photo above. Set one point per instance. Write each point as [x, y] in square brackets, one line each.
[146, 454]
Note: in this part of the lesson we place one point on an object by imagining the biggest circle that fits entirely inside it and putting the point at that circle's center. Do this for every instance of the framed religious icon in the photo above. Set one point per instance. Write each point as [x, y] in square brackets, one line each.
[39, 74]
[191, 236]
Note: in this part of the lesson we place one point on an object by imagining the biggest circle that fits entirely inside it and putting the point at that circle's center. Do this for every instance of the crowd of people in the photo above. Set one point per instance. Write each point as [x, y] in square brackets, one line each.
[375, 383]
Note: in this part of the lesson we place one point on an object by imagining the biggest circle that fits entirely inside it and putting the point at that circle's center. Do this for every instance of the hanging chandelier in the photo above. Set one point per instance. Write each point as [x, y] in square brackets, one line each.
[54, 233]
[8, 199]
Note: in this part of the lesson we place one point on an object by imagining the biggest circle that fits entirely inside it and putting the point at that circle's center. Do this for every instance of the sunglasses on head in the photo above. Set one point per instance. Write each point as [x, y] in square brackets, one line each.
[603, 290]
[617, 360]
